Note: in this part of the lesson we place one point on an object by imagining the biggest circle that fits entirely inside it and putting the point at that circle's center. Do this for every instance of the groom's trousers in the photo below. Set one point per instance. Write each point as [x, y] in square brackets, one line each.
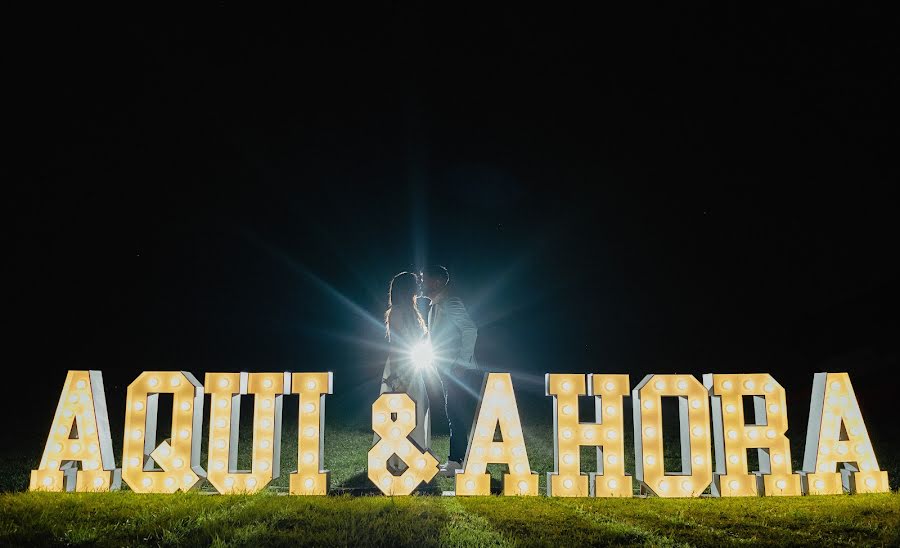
[462, 388]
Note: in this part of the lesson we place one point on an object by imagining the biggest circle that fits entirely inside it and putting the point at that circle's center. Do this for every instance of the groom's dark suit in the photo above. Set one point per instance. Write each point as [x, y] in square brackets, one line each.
[453, 335]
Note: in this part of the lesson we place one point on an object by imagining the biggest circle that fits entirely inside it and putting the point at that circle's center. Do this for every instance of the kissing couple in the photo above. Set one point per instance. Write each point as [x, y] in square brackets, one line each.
[441, 348]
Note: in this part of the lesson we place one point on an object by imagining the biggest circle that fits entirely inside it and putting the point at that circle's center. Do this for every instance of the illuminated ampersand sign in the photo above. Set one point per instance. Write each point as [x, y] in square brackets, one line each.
[393, 419]
[693, 407]
[497, 409]
[837, 434]
[570, 436]
[179, 461]
[82, 404]
[224, 418]
[734, 436]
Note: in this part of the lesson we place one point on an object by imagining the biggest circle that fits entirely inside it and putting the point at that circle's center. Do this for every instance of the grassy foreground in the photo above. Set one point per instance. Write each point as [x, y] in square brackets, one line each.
[118, 519]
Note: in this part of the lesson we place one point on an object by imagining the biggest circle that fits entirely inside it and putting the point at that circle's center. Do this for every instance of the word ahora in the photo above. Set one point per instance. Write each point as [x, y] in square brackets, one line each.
[714, 436]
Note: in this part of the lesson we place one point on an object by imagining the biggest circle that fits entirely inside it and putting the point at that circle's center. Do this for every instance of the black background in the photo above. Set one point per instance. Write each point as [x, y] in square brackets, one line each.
[671, 190]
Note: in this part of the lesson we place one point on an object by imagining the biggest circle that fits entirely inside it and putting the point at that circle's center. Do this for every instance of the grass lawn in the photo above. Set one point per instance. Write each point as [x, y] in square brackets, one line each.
[354, 515]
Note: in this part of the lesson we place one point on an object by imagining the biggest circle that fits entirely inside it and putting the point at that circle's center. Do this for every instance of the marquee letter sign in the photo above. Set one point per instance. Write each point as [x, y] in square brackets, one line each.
[179, 457]
[734, 436]
[838, 458]
[310, 479]
[837, 434]
[570, 435]
[693, 411]
[497, 409]
[80, 434]
[224, 424]
[393, 419]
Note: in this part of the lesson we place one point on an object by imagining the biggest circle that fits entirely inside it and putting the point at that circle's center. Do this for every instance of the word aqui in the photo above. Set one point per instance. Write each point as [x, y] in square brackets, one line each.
[838, 457]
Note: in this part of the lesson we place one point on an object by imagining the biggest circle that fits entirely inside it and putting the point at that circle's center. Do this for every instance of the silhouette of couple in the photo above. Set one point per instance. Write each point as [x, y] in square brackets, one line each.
[451, 334]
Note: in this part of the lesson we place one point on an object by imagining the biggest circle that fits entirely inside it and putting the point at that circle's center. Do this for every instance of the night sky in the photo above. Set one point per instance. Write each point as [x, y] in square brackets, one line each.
[664, 191]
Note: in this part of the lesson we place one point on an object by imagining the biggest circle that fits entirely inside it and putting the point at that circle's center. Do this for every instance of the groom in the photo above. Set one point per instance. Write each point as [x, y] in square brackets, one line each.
[453, 336]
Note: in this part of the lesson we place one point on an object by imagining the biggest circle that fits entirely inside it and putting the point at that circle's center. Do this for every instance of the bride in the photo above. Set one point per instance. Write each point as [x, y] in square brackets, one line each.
[405, 328]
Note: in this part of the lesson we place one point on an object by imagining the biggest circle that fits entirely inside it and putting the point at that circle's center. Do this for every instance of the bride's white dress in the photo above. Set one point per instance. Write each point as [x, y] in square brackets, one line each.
[401, 375]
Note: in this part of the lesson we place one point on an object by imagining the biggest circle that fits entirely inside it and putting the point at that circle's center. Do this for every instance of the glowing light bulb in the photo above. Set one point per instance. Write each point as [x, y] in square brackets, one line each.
[220, 443]
[682, 385]
[223, 403]
[380, 418]
[395, 432]
[567, 434]
[612, 434]
[267, 383]
[267, 404]
[650, 459]
[648, 404]
[697, 431]
[263, 465]
[610, 386]
[566, 386]
[664, 486]
[184, 434]
[842, 449]
[733, 434]
[589, 434]
[520, 468]
[251, 482]
[311, 385]
[568, 458]
[178, 462]
[687, 486]
[394, 403]
[752, 434]
[220, 423]
[611, 411]
[696, 404]
[733, 484]
[771, 434]
[153, 382]
[174, 381]
[185, 406]
[146, 482]
[612, 459]
[165, 450]
[568, 484]
[730, 408]
[734, 459]
[308, 483]
[698, 460]
[781, 484]
[98, 482]
[612, 484]
[265, 423]
[229, 482]
[820, 484]
[223, 383]
[134, 461]
[567, 410]
[470, 485]
[835, 385]
[749, 385]
[650, 431]
[170, 481]
[264, 444]
[136, 434]
[523, 486]
[660, 384]
[727, 385]
[777, 458]
[774, 408]
[309, 458]
[309, 432]
[47, 482]
[220, 465]
[138, 406]
[420, 463]
[80, 385]
[769, 387]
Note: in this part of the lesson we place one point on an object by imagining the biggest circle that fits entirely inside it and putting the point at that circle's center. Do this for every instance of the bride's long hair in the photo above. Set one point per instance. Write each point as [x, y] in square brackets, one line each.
[402, 313]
